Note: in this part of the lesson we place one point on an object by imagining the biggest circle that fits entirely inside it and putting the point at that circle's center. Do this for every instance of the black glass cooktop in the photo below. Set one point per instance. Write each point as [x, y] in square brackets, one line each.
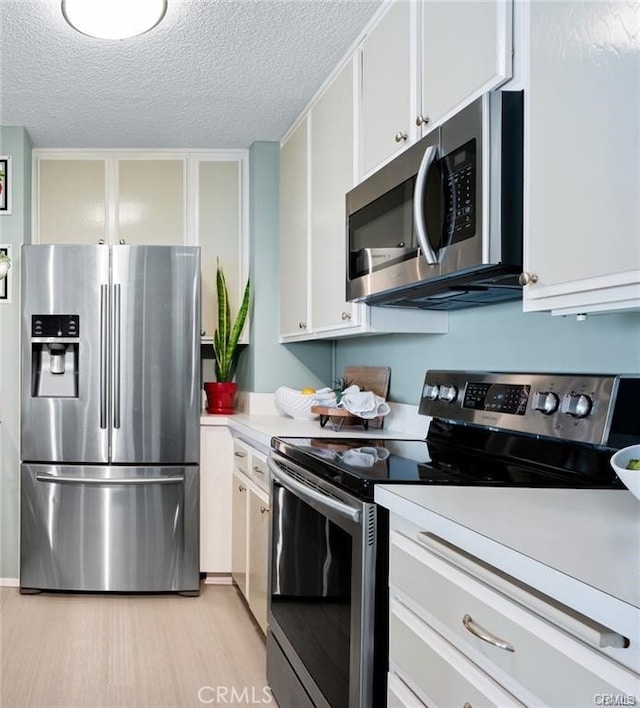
[358, 464]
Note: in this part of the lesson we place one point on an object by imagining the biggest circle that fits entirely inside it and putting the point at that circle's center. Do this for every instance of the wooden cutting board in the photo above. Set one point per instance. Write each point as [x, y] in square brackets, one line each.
[368, 378]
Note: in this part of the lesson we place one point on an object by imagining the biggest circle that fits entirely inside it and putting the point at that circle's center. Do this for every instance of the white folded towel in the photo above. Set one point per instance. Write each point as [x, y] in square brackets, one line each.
[324, 397]
[364, 404]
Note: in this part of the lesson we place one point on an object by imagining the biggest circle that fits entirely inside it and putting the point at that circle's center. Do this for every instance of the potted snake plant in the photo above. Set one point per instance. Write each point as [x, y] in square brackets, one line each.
[221, 393]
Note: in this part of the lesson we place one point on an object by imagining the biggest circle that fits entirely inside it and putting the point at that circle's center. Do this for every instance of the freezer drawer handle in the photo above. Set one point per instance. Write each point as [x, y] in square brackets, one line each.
[116, 356]
[101, 480]
[104, 353]
[486, 636]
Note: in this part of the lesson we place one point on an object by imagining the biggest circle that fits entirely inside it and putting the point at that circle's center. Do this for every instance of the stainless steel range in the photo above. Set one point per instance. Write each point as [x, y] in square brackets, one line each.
[327, 640]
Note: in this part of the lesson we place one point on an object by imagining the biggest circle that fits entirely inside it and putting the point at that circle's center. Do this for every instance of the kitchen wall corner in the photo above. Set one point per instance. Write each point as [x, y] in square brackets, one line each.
[267, 364]
[15, 229]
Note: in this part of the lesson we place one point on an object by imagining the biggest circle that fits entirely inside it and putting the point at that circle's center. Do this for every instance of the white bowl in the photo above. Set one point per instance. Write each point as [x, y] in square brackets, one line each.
[289, 401]
[630, 478]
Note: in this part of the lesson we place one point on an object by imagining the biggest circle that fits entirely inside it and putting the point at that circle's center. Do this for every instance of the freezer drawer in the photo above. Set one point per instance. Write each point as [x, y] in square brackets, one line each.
[102, 528]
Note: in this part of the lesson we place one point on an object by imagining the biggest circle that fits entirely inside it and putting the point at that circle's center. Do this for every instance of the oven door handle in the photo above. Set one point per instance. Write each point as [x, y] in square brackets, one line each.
[304, 492]
[419, 193]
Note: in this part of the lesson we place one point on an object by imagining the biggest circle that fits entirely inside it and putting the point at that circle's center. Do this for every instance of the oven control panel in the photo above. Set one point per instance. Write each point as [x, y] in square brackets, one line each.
[577, 407]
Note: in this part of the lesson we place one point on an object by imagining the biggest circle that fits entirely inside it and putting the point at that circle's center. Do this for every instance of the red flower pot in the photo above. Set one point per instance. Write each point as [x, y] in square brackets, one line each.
[220, 397]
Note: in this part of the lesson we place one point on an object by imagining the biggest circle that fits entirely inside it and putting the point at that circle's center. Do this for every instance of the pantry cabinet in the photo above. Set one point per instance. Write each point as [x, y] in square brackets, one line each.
[216, 447]
[582, 250]
[145, 198]
[250, 528]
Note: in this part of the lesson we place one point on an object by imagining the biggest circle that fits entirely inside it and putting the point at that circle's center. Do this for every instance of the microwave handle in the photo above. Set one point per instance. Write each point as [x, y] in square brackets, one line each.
[422, 231]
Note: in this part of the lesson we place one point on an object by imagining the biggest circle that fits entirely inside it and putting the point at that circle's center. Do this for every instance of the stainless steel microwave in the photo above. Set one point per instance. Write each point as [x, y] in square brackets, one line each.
[440, 226]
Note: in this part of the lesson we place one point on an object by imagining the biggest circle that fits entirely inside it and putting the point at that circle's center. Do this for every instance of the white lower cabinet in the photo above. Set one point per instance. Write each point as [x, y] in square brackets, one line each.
[461, 633]
[250, 528]
[216, 445]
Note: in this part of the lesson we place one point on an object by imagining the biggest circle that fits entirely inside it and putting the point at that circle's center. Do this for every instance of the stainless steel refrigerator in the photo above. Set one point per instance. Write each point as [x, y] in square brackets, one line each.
[110, 418]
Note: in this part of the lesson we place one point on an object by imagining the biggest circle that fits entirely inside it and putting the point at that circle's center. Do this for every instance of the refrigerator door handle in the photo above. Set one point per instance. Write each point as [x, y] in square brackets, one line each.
[104, 353]
[177, 479]
[116, 356]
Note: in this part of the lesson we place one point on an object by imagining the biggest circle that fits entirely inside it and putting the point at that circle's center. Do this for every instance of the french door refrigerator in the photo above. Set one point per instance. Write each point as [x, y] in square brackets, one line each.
[110, 418]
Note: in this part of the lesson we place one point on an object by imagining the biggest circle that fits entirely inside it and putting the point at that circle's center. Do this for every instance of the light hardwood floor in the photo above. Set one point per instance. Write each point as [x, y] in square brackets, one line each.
[108, 651]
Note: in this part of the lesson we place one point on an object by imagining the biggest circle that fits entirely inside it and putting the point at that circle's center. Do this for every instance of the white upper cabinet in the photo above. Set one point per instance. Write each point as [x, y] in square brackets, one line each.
[466, 50]
[150, 201]
[71, 200]
[137, 198]
[294, 233]
[221, 229]
[332, 176]
[582, 238]
[388, 85]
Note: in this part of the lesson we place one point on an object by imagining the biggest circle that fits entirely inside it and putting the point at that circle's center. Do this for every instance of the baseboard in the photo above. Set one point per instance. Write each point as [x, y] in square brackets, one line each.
[218, 579]
[10, 582]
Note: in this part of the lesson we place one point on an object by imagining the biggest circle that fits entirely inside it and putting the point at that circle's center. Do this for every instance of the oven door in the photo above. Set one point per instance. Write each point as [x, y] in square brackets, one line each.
[321, 591]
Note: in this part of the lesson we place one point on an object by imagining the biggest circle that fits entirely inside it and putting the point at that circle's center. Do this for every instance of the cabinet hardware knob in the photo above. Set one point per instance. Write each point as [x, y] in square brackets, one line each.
[467, 705]
[421, 120]
[346, 316]
[302, 325]
[526, 278]
[263, 510]
[481, 633]
[203, 332]
[121, 242]
[242, 488]
[101, 241]
[400, 136]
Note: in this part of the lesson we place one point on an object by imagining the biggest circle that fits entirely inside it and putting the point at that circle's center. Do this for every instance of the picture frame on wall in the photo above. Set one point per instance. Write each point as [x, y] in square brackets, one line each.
[5, 184]
[5, 267]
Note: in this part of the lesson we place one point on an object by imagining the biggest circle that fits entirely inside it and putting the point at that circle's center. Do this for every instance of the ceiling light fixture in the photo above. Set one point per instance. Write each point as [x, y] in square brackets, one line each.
[113, 19]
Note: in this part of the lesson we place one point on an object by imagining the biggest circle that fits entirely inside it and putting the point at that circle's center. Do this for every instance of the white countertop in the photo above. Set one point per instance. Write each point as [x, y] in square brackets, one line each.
[259, 429]
[581, 547]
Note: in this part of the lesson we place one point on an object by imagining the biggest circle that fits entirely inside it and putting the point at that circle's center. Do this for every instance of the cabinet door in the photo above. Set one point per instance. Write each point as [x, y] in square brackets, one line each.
[151, 202]
[294, 232]
[332, 176]
[388, 85]
[220, 234]
[240, 495]
[215, 499]
[466, 49]
[583, 122]
[71, 205]
[258, 556]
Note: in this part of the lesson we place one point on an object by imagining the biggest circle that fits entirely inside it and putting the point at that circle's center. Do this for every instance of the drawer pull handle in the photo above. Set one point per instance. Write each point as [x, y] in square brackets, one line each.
[481, 633]
[263, 510]
[240, 454]
[258, 470]
[242, 488]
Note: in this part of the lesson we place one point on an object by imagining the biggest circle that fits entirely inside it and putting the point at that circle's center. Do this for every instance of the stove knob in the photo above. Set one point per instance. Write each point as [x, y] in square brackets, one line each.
[430, 391]
[448, 394]
[577, 405]
[545, 401]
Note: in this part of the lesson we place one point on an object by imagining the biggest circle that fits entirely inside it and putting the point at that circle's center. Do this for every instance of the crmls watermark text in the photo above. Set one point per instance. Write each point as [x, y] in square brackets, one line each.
[615, 699]
[246, 695]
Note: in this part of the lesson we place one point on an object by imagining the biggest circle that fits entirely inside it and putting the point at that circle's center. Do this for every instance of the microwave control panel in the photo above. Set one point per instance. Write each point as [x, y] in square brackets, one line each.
[460, 190]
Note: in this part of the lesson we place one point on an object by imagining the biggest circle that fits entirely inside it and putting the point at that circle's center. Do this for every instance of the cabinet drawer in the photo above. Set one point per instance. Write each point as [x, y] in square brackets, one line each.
[241, 457]
[446, 676]
[546, 661]
[259, 470]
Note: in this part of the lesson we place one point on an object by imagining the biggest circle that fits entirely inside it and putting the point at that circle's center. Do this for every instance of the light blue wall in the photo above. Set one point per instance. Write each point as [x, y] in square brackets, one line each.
[501, 338]
[266, 364]
[15, 228]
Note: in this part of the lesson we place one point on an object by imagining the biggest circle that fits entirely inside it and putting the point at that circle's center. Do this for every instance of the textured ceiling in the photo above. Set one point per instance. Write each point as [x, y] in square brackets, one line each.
[213, 74]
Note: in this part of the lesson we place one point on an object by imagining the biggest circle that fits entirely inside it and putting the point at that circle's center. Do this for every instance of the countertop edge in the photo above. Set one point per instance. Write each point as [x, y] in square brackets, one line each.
[611, 611]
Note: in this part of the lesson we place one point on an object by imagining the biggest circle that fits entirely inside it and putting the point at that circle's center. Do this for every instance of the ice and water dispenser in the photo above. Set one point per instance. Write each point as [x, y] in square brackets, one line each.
[55, 341]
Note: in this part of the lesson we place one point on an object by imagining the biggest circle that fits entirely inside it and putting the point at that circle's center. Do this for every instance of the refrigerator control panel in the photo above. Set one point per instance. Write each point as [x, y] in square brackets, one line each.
[55, 326]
